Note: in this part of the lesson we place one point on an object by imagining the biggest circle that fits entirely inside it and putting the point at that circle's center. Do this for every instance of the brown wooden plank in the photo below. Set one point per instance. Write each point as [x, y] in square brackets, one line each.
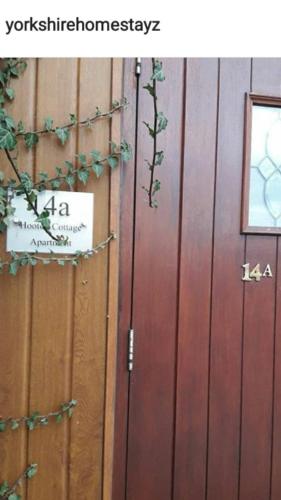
[195, 279]
[257, 373]
[15, 307]
[276, 431]
[88, 378]
[52, 300]
[125, 282]
[112, 306]
[227, 290]
[151, 423]
[259, 340]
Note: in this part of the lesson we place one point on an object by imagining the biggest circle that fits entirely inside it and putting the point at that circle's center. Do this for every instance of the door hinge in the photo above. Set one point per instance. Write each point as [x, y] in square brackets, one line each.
[130, 349]
[138, 66]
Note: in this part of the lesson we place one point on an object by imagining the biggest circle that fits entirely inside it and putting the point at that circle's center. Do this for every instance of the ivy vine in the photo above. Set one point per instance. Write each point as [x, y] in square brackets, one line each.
[36, 420]
[160, 123]
[10, 135]
[31, 422]
[9, 492]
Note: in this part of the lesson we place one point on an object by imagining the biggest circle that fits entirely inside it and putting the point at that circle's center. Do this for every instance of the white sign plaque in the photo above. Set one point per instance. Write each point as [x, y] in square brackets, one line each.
[71, 216]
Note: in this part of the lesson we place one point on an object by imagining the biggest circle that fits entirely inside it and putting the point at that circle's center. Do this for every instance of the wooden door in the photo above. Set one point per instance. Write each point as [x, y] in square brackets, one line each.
[199, 417]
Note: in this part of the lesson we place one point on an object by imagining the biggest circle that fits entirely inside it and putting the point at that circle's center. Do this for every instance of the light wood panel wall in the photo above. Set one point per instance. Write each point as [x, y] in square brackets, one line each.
[58, 324]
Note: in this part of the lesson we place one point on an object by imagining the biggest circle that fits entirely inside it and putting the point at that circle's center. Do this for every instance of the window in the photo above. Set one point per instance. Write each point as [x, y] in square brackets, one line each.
[262, 166]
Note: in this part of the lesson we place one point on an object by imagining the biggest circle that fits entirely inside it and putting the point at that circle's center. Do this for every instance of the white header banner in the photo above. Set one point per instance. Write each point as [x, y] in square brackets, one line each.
[139, 29]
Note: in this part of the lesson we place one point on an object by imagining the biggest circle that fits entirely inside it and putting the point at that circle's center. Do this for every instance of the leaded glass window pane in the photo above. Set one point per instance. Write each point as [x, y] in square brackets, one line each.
[265, 167]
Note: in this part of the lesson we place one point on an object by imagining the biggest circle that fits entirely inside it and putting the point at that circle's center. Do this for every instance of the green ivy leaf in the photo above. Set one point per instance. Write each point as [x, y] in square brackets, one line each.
[83, 175]
[62, 134]
[96, 155]
[70, 166]
[14, 425]
[161, 122]
[3, 78]
[83, 159]
[4, 487]
[10, 123]
[31, 471]
[26, 181]
[150, 89]
[14, 496]
[150, 129]
[156, 186]
[10, 93]
[97, 168]
[112, 161]
[55, 183]
[159, 157]
[3, 113]
[126, 151]
[20, 128]
[2, 425]
[16, 67]
[73, 119]
[44, 219]
[30, 424]
[7, 139]
[158, 73]
[70, 180]
[43, 176]
[13, 268]
[48, 124]
[31, 139]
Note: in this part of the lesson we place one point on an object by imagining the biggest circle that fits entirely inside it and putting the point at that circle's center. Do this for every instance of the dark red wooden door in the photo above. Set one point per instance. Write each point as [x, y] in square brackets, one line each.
[199, 417]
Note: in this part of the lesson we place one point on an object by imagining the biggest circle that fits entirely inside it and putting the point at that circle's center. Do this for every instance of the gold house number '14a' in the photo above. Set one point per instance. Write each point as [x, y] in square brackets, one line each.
[256, 273]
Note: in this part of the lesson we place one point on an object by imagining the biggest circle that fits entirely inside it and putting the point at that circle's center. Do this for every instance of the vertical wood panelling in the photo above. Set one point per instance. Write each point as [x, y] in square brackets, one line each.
[257, 374]
[267, 79]
[195, 278]
[227, 412]
[258, 355]
[125, 283]
[54, 325]
[276, 430]
[91, 302]
[112, 306]
[150, 447]
[227, 297]
[52, 297]
[15, 306]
